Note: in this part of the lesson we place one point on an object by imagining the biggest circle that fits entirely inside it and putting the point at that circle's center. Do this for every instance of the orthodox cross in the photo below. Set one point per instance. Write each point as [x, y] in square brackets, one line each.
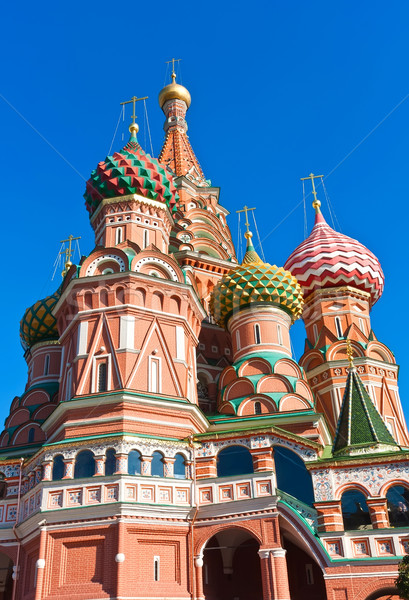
[68, 251]
[312, 177]
[246, 210]
[350, 353]
[134, 100]
[173, 60]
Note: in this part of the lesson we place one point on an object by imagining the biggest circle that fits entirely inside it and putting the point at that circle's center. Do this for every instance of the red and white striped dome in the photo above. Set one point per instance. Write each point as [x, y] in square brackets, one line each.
[328, 259]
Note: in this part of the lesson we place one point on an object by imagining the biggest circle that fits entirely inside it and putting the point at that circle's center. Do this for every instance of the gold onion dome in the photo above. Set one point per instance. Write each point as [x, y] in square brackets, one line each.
[255, 282]
[174, 91]
[38, 323]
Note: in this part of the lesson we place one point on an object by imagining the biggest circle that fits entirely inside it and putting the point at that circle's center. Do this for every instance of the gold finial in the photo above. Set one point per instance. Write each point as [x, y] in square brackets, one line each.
[68, 251]
[350, 354]
[134, 127]
[246, 210]
[316, 204]
[173, 60]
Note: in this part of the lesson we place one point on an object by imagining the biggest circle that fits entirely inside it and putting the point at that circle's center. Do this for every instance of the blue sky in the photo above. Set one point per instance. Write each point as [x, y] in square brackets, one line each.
[279, 89]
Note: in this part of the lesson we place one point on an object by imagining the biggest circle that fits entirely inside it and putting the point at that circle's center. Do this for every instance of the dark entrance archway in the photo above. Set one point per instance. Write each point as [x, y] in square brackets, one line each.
[6, 580]
[231, 567]
[304, 575]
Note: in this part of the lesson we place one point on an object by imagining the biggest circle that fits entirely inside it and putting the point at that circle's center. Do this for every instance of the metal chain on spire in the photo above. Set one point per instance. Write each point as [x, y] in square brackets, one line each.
[149, 129]
[258, 237]
[116, 128]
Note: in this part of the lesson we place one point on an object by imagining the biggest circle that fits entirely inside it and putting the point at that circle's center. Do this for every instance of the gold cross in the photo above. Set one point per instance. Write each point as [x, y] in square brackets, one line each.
[246, 209]
[316, 203]
[173, 60]
[134, 100]
[68, 251]
[350, 353]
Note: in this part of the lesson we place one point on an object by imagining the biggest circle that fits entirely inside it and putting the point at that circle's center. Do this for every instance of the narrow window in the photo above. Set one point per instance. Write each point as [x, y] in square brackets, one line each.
[156, 568]
[68, 385]
[238, 340]
[309, 574]
[257, 333]
[179, 467]
[257, 408]
[154, 375]
[47, 364]
[206, 573]
[279, 335]
[31, 434]
[110, 462]
[145, 238]
[118, 235]
[315, 332]
[361, 325]
[102, 377]
[338, 327]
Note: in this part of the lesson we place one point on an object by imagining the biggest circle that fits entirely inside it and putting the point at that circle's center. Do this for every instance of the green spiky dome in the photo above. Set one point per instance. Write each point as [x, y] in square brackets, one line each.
[38, 323]
[130, 171]
[255, 282]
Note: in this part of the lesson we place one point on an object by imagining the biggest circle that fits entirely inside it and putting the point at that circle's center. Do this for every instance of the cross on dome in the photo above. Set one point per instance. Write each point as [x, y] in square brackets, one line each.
[134, 127]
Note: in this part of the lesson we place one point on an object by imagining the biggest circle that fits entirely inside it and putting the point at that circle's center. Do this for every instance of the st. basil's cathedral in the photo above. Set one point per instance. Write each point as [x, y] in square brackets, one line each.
[167, 444]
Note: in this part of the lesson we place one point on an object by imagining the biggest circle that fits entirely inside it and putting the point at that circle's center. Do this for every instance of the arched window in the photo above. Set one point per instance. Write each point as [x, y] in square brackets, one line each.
[47, 364]
[238, 340]
[102, 377]
[398, 506]
[157, 466]
[84, 464]
[355, 511]
[31, 435]
[279, 335]
[118, 235]
[257, 335]
[292, 475]
[134, 462]
[234, 460]
[179, 468]
[338, 327]
[110, 462]
[257, 408]
[58, 467]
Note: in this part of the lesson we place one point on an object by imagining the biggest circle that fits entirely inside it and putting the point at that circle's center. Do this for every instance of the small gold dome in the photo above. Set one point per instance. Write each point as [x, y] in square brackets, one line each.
[174, 91]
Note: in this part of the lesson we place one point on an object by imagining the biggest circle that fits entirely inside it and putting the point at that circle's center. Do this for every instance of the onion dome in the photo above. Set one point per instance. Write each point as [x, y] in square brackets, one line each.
[38, 323]
[255, 282]
[130, 171]
[174, 91]
[328, 259]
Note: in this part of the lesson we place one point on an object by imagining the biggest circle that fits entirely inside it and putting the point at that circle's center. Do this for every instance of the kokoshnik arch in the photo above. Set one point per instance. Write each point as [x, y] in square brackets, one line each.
[172, 446]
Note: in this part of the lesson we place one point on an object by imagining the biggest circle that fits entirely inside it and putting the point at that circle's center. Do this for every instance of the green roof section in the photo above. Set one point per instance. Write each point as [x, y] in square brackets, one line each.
[360, 426]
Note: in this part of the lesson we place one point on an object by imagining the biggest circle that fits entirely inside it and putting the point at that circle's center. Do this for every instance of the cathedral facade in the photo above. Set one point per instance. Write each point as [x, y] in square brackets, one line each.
[167, 444]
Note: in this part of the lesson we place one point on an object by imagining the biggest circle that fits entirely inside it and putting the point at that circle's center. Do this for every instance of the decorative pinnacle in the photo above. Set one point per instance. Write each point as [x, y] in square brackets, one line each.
[68, 251]
[134, 127]
[316, 204]
[350, 354]
[173, 60]
[246, 210]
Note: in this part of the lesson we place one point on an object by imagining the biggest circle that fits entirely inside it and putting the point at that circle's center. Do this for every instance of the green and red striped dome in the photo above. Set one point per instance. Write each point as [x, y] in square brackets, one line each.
[130, 171]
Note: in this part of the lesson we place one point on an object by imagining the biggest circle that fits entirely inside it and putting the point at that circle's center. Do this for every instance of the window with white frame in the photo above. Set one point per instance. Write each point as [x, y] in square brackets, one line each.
[156, 568]
[361, 325]
[257, 336]
[68, 385]
[118, 235]
[338, 327]
[279, 335]
[154, 374]
[145, 238]
[102, 377]
[238, 340]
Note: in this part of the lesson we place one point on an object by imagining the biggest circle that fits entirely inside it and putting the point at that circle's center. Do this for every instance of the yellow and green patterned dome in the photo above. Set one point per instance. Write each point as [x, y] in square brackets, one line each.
[38, 323]
[255, 282]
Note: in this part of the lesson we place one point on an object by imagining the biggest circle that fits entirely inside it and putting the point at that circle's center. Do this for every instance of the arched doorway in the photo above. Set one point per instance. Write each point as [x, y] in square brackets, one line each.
[389, 593]
[231, 567]
[6, 580]
[304, 574]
